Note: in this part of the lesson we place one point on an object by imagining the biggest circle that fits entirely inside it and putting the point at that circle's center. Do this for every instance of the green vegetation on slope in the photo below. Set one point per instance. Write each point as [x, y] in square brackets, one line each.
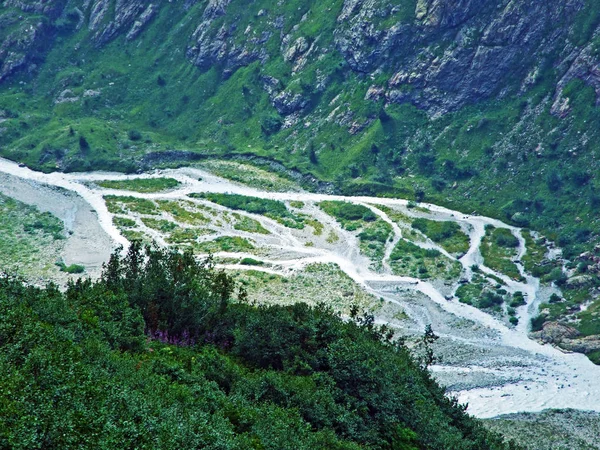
[274, 209]
[448, 234]
[141, 103]
[25, 235]
[157, 354]
[498, 248]
[144, 185]
[411, 260]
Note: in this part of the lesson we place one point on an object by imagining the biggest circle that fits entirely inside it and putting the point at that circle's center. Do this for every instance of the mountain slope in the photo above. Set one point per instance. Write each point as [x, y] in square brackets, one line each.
[483, 106]
[158, 354]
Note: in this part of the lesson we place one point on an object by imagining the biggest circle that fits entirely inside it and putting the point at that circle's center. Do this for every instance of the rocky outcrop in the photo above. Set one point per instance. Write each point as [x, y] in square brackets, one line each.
[489, 43]
[287, 102]
[583, 65]
[217, 45]
[439, 56]
[22, 49]
[31, 36]
[142, 21]
[444, 13]
[128, 17]
[50, 9]
[567, 338]
[555, 333]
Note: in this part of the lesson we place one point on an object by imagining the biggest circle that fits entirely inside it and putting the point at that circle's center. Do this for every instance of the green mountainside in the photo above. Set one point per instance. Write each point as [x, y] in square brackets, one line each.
[483, 106]
[80, 372]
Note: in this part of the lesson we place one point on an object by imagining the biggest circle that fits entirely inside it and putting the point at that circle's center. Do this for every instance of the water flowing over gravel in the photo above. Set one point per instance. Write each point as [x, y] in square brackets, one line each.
[494, 367]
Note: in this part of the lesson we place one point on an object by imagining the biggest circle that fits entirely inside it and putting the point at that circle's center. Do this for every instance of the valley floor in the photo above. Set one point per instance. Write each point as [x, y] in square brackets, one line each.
[284, 242]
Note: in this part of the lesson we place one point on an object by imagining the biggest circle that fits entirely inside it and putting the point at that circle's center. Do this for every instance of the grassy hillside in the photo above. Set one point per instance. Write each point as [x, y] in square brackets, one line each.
[109, 107]
[159, 354]
[320, 88]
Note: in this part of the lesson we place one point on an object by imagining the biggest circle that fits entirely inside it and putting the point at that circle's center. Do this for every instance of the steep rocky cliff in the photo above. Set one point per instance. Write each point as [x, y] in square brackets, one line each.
[437, 54]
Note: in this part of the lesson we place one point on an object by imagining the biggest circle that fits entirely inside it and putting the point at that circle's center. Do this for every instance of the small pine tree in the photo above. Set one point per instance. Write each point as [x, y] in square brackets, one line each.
[83, 144]
[312, 155]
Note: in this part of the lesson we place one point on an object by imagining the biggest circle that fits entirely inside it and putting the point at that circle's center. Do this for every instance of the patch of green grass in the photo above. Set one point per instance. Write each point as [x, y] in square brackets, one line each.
[165, 226]
[348, 214]
[594, 357]
[273, 209]
[120, 205]
[373, 238]
[143, 185]
[408, 259]
[29, 239]
[183, 211]
[469, 293]
[588, 320]
[248, 224]
[332, 237]
[251, 262]
[483, 295]
[497, 248]
[187, 235]
[72, 269]
[225, 244]
[316, 283]
[534, 261]
[447, 234]
[124, 222]
[316, 226]
[517, 300]
[134, 235]
[250, 175]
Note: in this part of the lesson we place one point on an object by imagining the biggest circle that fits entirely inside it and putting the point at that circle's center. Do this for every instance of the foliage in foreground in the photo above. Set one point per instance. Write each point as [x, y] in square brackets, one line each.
[157, 354]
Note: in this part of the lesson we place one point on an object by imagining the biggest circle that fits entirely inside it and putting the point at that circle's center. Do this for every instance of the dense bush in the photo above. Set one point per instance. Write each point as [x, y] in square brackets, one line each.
[72, 269]
[348, 211]
[447, 234]
[134, 135]
[255, 205]
[504, 238]
[159, 354]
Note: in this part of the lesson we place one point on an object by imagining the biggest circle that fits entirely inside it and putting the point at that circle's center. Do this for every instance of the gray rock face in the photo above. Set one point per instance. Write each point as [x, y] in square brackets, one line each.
[19, 50]
[215, 8]
[441, 56]
[23, 48]
[489, 43]
[211, 45]
[141, 21]
[129, 17]
[287, 103]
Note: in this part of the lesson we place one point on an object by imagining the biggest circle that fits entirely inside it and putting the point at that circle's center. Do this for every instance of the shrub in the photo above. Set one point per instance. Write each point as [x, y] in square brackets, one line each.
[489, 300]
[271, 124]
[537, 323]
[72, 269]
[554, 298]
[506, 239]
[134, 135]
[518, 300]
[83, 144]
[251, 262]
